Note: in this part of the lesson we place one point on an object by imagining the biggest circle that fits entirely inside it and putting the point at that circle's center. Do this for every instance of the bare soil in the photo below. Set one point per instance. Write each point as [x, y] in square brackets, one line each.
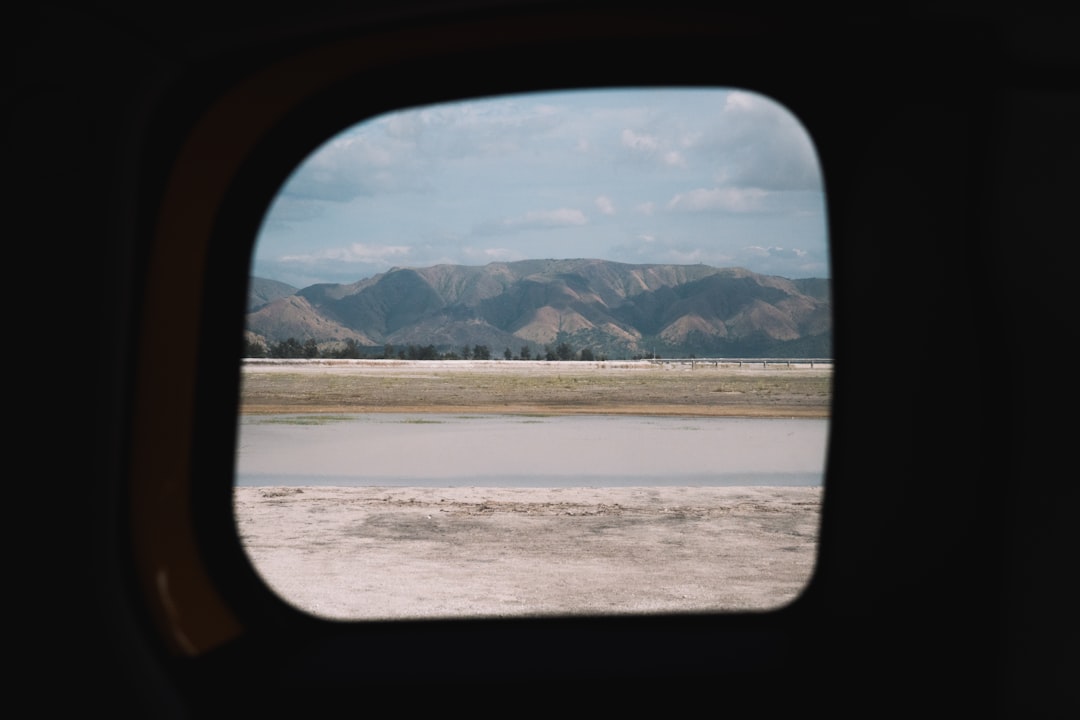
[386, 553]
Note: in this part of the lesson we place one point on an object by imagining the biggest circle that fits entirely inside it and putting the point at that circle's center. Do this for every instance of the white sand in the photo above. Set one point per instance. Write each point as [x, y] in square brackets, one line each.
[378, 553]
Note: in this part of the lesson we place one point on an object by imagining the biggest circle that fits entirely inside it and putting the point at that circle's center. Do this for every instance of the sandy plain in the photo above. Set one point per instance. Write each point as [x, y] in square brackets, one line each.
[424, 552]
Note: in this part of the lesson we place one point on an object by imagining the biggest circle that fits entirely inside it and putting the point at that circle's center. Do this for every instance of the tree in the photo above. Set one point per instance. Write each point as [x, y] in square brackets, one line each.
[288, 348]
[587, 354]
[481, 352]
[350, 350]
[508, 354]
[254, 349]
[564, 351]
[526, 353]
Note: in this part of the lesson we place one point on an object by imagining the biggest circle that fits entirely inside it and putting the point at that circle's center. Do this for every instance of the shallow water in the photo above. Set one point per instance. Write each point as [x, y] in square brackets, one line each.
[459, 450]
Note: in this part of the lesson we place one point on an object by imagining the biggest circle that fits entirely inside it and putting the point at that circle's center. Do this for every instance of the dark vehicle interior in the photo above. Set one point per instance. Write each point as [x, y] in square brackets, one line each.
[146, 142]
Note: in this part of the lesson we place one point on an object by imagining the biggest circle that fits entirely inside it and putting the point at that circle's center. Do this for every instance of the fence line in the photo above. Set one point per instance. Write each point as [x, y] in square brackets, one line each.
[692, 362]
[745, 362]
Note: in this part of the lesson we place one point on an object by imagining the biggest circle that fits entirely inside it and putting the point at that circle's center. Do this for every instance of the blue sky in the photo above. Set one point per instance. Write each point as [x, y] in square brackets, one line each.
[721, 177]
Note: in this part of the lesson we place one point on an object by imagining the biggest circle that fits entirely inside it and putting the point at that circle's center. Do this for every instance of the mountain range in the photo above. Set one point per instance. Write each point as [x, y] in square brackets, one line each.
[615, 309]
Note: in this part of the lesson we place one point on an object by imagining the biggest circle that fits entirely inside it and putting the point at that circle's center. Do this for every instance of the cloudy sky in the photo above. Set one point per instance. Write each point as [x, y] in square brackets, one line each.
[724, 178]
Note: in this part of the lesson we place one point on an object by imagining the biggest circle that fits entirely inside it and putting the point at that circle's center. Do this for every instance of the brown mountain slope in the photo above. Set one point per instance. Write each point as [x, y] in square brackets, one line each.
[614, 307]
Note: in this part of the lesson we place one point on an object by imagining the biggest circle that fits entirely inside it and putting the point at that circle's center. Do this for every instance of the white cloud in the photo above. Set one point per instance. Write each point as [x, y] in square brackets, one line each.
[355, 253]
[352, 166]
[774, 252]
[483, 128]
[655, 148]
[403, 125]
[562, 217]
[287, 211]
[652, 248]
[716, 172]
[673, 158]
[636, 141]
[534, 219]
[719, 199]
[738, 100]
[472, 255]
[783, 261]
[684, 257]
[689, 140]
[753, 141]
[491, 254]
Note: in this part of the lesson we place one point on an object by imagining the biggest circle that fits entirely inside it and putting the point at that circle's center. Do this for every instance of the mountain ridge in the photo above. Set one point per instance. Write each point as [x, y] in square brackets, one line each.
[617, 309]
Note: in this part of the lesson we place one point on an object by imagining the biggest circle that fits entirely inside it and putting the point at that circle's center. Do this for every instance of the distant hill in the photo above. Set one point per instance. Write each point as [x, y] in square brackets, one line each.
[616, 309]
[262, 292]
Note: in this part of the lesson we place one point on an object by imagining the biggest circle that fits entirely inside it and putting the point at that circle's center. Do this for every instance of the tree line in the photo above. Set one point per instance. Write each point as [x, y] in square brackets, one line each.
[309, 349]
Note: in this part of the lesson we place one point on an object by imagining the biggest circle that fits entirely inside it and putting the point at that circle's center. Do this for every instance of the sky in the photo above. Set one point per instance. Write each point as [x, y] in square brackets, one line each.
[721, 177]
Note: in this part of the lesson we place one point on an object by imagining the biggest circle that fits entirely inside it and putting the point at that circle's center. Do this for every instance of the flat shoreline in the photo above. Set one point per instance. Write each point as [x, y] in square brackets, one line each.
[538, 387]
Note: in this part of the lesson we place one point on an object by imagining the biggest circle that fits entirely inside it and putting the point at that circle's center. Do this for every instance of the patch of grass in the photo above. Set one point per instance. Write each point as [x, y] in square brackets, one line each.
[456, 391]
[421, 421]
[303, 419]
